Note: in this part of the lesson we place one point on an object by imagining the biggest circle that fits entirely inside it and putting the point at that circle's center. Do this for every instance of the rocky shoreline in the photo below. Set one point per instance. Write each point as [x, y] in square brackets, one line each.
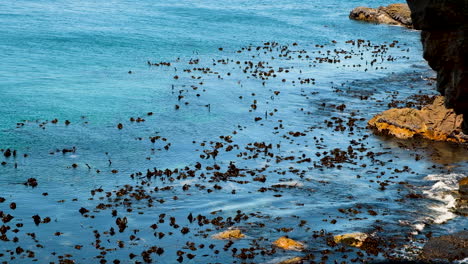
[288, 184]
[443, 25]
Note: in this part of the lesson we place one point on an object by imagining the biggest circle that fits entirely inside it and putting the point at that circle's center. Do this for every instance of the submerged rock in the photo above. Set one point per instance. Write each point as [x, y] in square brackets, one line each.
[289, 244]
[229, 234]
[434, 122]
[394, 14]
[352, 239]
[450, 247]
[295, 260]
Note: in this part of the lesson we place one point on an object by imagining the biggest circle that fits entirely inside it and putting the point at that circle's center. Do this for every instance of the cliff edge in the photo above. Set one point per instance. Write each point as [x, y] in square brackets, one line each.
[444, 29]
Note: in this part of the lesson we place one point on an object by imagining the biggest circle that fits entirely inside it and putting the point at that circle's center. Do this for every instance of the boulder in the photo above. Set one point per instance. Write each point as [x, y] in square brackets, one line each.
[449, 247]
[434, 122]
[394, 14]
[289, 244]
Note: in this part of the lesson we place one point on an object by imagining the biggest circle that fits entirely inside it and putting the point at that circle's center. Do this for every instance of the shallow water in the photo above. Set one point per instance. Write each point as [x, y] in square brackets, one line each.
[66, 60]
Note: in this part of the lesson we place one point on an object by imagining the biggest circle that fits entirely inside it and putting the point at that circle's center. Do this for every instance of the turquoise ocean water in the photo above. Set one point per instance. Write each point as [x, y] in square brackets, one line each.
[92, 63]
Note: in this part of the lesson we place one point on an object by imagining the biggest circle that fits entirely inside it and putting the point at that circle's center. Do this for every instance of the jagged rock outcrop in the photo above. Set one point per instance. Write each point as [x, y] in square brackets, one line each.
[444, 29]
[394, 14]
[434, 122]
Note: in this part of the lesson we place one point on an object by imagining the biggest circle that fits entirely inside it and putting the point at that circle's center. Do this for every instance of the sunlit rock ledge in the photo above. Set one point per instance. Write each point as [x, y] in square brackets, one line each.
[394, 14]
[434, 122]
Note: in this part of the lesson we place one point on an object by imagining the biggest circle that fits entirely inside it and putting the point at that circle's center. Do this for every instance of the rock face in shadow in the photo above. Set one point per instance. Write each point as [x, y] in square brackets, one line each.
[444, 32]
[394, 14]
[462, 201]
[450, 247]
[434, 122]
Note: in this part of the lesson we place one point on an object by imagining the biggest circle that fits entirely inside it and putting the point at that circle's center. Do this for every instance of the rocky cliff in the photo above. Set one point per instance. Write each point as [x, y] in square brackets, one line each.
[444, 28]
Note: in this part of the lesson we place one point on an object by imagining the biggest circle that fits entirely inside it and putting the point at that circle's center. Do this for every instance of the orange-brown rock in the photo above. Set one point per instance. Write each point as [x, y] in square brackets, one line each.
[394, 14]
[352, 239]
[295, 260]
[434, 122]
[289, 244]
[229, 234]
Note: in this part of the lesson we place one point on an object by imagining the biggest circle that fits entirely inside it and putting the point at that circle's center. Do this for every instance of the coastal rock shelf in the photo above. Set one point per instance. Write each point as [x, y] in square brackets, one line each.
[434, 122]
[394, 14]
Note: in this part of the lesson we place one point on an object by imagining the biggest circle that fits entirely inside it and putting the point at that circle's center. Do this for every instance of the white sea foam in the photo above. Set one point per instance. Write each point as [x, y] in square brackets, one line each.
[419, 227]
[289, 184]
[443, 191]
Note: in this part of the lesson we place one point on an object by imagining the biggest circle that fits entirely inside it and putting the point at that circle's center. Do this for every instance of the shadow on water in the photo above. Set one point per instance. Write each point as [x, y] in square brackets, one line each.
[446, 154]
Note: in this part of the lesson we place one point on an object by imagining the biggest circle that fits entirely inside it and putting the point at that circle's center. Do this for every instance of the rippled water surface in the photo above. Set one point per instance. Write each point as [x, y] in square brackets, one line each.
[255, 119]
